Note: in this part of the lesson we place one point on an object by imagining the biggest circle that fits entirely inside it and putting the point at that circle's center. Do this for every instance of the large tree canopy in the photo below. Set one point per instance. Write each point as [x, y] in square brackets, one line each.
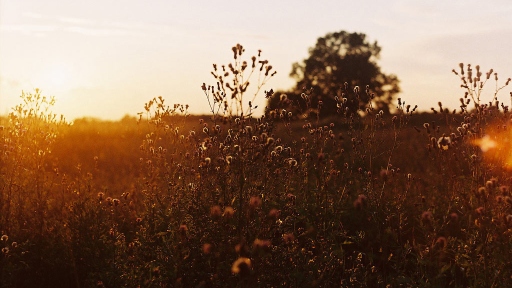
[337, 63]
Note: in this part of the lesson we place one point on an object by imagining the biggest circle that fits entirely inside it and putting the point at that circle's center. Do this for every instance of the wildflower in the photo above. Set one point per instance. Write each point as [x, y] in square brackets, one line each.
[207, 248]
[274, 213]
[215, 211]
[14, 244]
[384, 174]
[292, 162]
[441, 242]
[288, 238]
[427, 217]
[241, 248]
[508, 220]
[241, 266]
[481, 192]
[229, 159]
[260, 244]
[116, 202]
[444, 142]
[360, 202]
[454, 217]
[100, 196]
[479, 210]
[4, 237]
[254, 202]
[156, 271]
[228, 212]
[183, 229]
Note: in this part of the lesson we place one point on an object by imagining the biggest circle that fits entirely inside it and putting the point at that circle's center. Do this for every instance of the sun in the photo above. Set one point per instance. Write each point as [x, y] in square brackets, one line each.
[55, 78]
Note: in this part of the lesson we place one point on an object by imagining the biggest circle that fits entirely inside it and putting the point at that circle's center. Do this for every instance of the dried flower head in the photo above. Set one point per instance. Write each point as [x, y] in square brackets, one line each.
[444, 142]
[254, 202]
[441, 242]
[427, 217]
[228, 212]
[274, 213]
[508, 220]
[215, 211]
[183, 229]
[288, 238]
[241, 266]
[207, 248]
[261, 244]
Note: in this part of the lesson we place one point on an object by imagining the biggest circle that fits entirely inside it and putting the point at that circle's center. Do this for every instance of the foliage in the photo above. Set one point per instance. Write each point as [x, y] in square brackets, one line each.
[337, 62]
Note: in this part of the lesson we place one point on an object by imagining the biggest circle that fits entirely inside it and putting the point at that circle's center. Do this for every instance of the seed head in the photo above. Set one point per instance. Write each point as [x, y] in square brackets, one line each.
[441, 242]
[508, 220]
[228, 212]
[444, 142]
[207, 248]
[427, 217]
[215, 211]
[288, 238]
[254, 202]
[241, 266]
[274, 213]
[183, 229]
[260, 244]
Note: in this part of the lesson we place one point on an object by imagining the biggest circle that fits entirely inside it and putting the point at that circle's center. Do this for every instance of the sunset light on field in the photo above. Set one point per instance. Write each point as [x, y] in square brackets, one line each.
[496, 146]
[329, 143]
[106, 59]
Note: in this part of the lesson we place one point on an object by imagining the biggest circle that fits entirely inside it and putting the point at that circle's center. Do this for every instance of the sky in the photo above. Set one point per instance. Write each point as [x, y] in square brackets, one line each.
[105, 59]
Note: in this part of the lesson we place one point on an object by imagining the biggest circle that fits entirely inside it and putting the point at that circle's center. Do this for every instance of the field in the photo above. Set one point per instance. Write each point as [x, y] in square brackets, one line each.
[167, 199]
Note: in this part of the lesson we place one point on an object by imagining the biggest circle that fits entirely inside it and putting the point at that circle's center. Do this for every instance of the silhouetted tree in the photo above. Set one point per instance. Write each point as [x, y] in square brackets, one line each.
[336, 65]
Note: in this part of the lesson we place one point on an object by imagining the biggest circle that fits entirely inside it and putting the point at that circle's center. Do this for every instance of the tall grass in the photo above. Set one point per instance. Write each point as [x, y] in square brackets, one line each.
[231, 199]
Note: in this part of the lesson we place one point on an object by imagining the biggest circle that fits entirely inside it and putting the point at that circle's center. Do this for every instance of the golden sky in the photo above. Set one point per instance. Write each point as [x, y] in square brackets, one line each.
[107, 58]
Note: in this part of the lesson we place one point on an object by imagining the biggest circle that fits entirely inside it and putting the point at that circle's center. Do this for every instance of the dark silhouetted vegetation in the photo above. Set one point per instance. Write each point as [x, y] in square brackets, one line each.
[232, 200]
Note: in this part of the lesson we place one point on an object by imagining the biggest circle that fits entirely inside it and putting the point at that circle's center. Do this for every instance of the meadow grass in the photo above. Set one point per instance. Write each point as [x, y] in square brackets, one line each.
[233, 200]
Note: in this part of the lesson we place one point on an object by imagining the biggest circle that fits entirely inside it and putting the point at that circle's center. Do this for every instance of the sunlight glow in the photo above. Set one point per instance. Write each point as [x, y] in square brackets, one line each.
[55, 78]
[485, 143]
[497, 146]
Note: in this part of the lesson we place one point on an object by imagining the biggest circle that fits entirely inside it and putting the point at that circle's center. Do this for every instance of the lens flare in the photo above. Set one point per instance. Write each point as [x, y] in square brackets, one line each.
[496, 146]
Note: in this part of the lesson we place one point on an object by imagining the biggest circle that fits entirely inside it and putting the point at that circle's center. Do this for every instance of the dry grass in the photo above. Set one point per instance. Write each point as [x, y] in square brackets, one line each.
[407, 200]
